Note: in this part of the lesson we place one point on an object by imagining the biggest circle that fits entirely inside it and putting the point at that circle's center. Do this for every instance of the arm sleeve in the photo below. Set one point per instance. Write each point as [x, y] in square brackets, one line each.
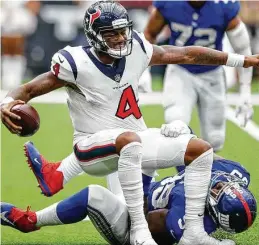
[240, 41]
[63, 66]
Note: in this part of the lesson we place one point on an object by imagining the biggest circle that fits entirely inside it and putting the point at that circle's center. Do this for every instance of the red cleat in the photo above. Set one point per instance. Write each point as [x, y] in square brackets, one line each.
[50, 180]
[24, 221]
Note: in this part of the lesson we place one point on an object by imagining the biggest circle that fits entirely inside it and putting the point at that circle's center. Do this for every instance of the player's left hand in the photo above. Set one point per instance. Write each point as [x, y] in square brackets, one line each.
[175, 128]
[244, 109]
[252, 60]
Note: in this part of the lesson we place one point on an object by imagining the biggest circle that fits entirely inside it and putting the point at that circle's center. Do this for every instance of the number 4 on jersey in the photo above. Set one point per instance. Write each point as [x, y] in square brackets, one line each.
[128, 105]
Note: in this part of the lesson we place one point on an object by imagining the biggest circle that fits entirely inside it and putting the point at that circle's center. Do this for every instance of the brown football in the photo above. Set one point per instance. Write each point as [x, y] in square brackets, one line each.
[30, 120]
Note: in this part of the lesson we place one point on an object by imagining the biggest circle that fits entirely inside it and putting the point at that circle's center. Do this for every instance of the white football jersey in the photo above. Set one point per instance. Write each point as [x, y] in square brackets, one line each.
[103, 96]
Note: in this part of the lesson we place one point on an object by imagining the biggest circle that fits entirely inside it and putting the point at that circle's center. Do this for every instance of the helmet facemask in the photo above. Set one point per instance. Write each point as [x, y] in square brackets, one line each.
[225, 184]
[109, 39]
[102, 41]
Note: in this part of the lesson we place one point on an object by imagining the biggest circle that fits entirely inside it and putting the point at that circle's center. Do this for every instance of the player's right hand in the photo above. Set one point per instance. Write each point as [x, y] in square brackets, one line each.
[7, 116]
[174, 129]
[252, 60]
[244, 109]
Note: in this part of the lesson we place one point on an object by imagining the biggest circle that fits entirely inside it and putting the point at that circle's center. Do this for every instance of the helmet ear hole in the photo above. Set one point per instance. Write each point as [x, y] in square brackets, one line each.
[238, 221]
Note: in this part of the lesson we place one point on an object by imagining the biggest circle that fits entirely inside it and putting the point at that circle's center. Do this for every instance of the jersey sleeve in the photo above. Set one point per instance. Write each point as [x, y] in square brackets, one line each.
[231, 10]
[175, 216]
[175, 219]
[159, 5]
[63, 65]
[145, 45]
[233, 168]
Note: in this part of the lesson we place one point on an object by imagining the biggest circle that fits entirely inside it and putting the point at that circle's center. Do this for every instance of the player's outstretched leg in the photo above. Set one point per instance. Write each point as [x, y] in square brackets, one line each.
[68, 211]
[50, 176]
[129, 147]
[22, 220]
[108, 214]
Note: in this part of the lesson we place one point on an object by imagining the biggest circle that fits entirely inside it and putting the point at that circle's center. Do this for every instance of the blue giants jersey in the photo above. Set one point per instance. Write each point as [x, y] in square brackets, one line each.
[169, 193]
[203, 26]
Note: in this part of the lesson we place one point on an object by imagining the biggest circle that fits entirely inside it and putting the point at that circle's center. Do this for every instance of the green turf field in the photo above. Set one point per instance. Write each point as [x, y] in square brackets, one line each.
[54, 140]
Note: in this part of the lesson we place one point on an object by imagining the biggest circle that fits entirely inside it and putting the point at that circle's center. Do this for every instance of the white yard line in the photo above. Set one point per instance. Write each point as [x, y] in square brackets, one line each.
[155, 98]
[232, 98]
[251, 128]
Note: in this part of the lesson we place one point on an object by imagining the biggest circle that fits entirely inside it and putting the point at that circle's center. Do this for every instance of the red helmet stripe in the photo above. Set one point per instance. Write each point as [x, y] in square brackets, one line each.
[246, 207]
[95, 16]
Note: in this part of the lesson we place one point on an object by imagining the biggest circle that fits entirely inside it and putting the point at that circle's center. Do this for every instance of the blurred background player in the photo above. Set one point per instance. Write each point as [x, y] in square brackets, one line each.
[18, 20]
[202, 23]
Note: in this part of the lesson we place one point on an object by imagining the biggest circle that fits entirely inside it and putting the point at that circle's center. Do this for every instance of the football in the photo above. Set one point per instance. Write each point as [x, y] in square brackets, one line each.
[30, 120]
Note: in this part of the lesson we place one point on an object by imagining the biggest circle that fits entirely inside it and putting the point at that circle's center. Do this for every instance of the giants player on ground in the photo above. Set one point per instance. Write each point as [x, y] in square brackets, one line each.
[110, 133]
[230, 206]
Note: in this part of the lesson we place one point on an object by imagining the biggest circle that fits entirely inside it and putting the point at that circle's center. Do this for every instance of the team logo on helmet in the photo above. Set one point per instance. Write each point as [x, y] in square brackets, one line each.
[94, 16]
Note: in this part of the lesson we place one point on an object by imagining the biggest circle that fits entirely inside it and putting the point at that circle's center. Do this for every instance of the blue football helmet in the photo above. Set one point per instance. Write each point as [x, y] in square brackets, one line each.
[105, 16]
[232, 206]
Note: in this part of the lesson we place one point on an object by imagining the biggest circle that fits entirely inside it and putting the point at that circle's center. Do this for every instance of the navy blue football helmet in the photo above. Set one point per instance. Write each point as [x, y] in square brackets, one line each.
[105, 16]
[232, 206]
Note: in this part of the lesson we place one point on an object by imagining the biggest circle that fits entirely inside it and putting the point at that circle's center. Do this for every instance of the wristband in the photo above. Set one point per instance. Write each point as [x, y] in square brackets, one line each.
[235, 60]
[6, 100]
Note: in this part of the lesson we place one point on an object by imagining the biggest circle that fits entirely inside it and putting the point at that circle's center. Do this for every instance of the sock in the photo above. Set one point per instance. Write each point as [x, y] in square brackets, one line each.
[68, 211]
[113, 184]
[180, 168]
[146, 183]
[130, 176]
[70, 168]
[196, 183]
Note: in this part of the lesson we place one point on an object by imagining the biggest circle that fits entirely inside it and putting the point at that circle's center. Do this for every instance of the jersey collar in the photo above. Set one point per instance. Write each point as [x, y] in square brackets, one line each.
[114, 72]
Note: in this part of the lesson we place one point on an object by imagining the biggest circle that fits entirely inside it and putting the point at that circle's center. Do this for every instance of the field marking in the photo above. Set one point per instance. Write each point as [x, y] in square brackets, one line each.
[155, 98]
[251, 127]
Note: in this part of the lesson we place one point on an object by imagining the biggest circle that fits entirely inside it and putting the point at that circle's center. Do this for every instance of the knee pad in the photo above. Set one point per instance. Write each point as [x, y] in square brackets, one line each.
[216, 140]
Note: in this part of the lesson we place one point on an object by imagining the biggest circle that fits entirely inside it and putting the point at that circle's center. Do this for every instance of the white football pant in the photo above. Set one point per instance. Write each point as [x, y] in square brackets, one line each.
[183, 90]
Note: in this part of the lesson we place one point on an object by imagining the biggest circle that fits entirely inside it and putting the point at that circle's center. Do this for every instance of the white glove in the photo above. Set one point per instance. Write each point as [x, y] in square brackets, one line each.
[174, 129]
[244, 109]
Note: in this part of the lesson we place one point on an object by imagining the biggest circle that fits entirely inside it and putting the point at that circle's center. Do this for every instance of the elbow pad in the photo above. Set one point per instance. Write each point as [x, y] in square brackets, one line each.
[240, 41]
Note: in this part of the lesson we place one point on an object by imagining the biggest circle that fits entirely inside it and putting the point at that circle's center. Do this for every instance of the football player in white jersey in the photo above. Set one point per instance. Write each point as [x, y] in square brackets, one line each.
[109, 131]
[202, 23]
